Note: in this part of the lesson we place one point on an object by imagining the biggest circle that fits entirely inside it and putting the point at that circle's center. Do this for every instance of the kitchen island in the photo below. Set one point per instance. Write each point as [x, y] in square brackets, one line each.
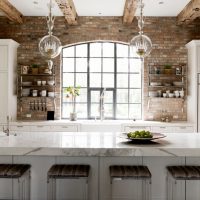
[99, 150]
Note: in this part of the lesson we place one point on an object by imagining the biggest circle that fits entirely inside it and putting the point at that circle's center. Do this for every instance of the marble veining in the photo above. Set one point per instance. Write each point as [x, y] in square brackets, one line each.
[96, 144]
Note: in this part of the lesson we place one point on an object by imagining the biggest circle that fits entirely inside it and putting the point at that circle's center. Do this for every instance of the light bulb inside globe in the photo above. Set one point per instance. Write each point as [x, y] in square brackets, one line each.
[142, 45]
[50, 46]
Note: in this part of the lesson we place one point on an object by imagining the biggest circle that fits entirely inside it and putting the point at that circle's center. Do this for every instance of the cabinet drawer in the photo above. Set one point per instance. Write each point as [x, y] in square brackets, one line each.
[162, 129]
[40, 128]
[184, 129]
[135, 128]
[19, 128]
[65, 128]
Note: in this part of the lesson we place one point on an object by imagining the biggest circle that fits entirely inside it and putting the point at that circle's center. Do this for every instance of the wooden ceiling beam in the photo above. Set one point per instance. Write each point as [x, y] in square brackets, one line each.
[68, 9]
[189, 13]
[129, 11]
[10, 11]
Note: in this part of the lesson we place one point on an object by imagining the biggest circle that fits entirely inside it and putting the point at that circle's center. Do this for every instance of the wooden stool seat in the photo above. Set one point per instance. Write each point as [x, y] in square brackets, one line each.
[122, 171]
[13, 170]
[67, 171]
[184, 172]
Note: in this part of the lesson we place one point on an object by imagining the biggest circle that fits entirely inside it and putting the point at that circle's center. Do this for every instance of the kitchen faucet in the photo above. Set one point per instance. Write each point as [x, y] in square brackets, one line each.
[7, 130]
[102, 111]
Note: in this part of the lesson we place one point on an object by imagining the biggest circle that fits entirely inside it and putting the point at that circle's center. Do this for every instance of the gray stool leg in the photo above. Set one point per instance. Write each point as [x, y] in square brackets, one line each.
[86, 189]
[24, 186]
[51, 190]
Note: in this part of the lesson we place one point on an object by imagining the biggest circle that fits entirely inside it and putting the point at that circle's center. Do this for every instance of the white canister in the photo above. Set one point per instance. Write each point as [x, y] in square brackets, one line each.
[34, 93]
[181, 93]
[43, 93]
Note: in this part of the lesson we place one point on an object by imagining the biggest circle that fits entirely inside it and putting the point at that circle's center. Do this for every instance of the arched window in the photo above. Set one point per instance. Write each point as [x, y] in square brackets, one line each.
[98, 67]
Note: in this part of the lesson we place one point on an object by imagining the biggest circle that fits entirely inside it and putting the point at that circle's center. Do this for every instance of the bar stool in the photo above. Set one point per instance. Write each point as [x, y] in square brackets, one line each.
[66, 172]
[180, 173]
[20, 172]
[121, 172]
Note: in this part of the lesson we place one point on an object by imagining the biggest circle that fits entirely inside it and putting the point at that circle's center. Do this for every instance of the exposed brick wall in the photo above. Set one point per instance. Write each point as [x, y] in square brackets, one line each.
[168, 47]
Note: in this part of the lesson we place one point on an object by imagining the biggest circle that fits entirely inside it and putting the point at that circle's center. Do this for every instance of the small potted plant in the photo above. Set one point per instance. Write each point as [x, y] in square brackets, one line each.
[34, 68]
[72, 93]
[168, 69]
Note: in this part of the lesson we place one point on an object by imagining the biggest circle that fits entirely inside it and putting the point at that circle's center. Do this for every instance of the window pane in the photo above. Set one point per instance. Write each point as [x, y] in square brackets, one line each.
[122, 111]
[122, 65]
[108, 50]
[122, 96]
[68, 64]
[135, 81]
[81, 79]
[122, 50]
[108, 65]
[95, 110]
[81, 110]
[95, 65]
[135, 96]
[81, 64]
[108, 110]
[68, 79]
[83, 95]
[135, 65]
[95, 96]
[68, 52]
[108, 97]
[66, 109]
[108, 80]
[95, 50]
[95, 80]
[81, 50]
[135, 111]
[122, 80]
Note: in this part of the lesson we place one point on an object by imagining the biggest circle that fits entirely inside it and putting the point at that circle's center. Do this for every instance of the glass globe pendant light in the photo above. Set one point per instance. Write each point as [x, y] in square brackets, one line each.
[50, 46]
[141, 44]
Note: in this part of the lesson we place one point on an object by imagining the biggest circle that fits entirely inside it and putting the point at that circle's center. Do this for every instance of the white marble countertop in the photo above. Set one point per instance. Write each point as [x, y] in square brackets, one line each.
[103, 123]
[96, 144]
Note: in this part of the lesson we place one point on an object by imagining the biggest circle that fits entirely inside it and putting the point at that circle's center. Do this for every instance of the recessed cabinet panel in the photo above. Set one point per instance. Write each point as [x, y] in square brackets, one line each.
[19, 128]
[136, 128]
[198, 59]
[3, 97]
[184, 129]
[3, 58]
[162, 129]
[65, 128]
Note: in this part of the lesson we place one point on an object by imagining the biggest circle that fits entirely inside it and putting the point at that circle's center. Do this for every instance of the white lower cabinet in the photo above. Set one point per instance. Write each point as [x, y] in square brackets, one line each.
[162, 129]
[136, 128]
[20, 128]
[65, 128]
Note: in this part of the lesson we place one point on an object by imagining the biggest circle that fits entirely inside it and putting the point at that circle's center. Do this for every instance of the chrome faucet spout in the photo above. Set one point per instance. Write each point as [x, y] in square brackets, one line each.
[7, 130]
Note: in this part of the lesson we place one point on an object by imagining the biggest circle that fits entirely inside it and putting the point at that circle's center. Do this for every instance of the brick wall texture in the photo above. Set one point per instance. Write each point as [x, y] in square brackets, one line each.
[168, 47]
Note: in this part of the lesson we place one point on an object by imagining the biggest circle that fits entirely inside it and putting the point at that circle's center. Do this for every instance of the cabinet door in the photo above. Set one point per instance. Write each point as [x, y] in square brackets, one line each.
[21, 128]
[65, 128]
[3, 58]
[41, 128]
[136, 128]
[3, 96]
[184, 129]
[162, 129]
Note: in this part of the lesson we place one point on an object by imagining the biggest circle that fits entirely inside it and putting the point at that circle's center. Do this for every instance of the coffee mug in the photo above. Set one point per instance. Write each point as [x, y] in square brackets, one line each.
[39, 83]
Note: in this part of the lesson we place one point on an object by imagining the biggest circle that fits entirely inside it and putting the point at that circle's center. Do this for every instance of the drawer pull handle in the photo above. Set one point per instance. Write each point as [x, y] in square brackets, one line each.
[163, 127]
[40, 126]
[20, 126]
[65, 127]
